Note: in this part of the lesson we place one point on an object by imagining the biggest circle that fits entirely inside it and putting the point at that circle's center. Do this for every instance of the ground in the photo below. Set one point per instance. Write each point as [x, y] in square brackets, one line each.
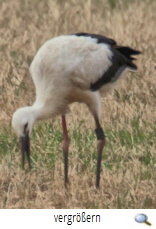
[128, 175]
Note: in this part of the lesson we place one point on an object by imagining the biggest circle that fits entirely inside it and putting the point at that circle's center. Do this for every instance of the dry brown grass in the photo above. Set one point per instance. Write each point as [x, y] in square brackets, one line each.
[24, 26]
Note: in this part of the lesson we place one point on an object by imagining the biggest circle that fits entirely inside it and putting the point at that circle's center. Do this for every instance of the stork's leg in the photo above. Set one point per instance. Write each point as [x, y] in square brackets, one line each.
[28, 151]
[65, 149]
[100, 145]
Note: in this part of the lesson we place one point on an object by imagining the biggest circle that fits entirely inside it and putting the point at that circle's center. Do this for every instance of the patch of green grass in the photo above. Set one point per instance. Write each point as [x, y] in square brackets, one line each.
[46, 144]
[7, 142]
[114, 3]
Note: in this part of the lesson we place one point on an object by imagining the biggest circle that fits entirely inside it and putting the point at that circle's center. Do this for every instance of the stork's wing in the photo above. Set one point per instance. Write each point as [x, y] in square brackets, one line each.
[115, 60]
[86, 61]
[100, 38]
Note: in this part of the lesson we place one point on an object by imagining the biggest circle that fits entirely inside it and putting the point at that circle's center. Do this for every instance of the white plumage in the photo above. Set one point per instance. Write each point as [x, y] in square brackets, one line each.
[80, 62]
[67, 69]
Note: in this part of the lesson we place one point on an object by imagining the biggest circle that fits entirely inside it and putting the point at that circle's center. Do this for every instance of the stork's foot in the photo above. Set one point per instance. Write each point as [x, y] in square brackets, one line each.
[65, 155]
[100, 145]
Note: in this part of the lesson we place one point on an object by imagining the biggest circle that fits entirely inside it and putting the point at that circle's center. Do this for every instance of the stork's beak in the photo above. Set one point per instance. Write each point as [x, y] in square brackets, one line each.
[25, 147]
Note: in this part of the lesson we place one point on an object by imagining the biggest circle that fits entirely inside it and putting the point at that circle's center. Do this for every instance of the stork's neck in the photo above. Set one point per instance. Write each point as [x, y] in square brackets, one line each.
[40, 112]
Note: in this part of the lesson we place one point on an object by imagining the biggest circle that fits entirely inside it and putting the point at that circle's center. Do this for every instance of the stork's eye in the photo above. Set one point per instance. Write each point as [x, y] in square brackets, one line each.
[25, 128]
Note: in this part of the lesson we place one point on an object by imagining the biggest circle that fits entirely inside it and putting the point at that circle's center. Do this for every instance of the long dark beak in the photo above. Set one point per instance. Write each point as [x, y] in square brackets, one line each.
[25, 147]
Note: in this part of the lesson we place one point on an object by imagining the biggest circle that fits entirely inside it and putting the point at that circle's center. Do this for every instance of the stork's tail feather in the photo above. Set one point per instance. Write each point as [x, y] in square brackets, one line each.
[128, 52]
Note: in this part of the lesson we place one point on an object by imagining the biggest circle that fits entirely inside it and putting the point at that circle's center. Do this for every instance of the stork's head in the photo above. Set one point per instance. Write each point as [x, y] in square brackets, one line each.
[22, 121]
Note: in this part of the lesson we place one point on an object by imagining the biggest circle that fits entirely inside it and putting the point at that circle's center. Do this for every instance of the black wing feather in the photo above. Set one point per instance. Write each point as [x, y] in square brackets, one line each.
[100, 38]
[121, 59]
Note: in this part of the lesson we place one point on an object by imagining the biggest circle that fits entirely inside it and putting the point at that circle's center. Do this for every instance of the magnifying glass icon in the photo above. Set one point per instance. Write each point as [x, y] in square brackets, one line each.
[142, 218]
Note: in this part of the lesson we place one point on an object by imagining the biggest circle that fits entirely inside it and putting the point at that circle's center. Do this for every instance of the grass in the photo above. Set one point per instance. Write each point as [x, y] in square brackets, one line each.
[128, 174]
[128, 164]
[118, 3]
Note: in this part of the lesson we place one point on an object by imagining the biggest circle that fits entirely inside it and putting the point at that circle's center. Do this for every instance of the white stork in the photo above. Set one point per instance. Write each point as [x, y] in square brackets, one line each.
[67, 69]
